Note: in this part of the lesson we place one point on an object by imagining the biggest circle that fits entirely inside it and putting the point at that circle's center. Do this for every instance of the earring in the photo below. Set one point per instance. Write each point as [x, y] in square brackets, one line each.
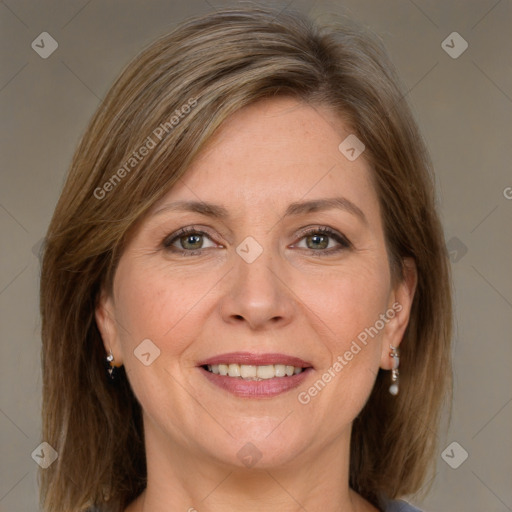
[393, 389]
[112, 370]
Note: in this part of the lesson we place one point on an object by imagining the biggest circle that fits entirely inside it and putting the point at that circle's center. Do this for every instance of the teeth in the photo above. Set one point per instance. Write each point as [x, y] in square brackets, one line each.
[247, 371]
[266, 372]
[251, 372]
[280, 370]
[234, 370]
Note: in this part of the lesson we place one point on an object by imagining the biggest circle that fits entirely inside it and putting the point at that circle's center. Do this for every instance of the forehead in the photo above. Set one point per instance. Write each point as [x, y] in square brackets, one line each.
[273, 151]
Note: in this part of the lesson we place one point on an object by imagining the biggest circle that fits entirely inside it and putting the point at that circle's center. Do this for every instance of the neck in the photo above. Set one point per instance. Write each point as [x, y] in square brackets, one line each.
[181, 479]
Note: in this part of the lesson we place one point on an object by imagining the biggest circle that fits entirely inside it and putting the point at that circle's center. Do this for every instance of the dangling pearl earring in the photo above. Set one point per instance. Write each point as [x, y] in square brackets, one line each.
[112, 370]
[393, 389]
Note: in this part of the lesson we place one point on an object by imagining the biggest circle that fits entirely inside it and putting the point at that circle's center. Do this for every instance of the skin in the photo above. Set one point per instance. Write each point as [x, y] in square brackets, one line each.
[296, 298]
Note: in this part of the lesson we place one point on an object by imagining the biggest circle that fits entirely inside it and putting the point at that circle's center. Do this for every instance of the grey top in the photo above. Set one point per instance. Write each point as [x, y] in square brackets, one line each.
[400, 506]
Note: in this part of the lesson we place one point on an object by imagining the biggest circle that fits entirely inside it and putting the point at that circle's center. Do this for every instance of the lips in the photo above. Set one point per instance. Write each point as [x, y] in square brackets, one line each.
[259, 383]
[248, 358]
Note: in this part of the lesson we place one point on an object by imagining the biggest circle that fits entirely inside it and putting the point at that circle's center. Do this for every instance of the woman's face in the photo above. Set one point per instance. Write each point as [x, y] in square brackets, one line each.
[283, 263]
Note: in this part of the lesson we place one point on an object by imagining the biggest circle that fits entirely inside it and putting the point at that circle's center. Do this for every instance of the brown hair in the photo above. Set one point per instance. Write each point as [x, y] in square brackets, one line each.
[177, 93]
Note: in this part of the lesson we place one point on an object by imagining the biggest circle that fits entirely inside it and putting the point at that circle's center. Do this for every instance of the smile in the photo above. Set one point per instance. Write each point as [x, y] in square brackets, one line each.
[253, 372]
[248, 375]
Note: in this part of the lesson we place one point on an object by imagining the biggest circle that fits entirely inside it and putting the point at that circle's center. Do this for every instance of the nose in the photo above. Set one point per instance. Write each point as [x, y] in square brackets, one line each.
[258, 295]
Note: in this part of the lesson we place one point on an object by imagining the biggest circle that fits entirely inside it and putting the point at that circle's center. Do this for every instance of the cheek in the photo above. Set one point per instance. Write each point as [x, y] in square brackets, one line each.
[156, 305]
[347, 301]
[165, 309]
[350, 304]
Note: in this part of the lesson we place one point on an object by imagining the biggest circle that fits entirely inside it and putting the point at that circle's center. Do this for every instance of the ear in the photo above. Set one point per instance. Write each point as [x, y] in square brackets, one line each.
[106, 322]
[400, 303]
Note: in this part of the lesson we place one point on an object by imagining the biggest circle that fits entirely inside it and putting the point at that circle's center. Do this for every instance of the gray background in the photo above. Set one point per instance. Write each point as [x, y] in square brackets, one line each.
[463, 106]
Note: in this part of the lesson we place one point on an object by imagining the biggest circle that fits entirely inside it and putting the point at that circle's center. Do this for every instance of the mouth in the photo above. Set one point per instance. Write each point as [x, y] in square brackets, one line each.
[253, 372]
[255, 375]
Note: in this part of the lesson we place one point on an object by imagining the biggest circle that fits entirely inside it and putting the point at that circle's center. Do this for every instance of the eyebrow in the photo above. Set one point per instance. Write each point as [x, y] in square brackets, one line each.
[317, 205]
[209, 209]
[297, 208]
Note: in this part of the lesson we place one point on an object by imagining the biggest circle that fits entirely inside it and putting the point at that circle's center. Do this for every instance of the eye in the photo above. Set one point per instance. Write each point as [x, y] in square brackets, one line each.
[323, 239]
[188, 241]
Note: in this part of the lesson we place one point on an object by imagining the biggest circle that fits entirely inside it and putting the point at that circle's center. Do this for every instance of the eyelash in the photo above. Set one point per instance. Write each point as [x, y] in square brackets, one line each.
[343, 242]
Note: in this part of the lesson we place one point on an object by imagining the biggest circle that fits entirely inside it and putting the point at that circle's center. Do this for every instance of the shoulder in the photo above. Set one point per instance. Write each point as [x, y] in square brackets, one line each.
[399, 506]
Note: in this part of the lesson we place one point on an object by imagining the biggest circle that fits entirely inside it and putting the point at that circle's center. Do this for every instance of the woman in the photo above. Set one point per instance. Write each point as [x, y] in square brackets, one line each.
[247, 243]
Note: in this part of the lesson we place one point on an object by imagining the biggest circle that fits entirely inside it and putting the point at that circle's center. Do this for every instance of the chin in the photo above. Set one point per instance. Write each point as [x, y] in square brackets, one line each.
[255, 447]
